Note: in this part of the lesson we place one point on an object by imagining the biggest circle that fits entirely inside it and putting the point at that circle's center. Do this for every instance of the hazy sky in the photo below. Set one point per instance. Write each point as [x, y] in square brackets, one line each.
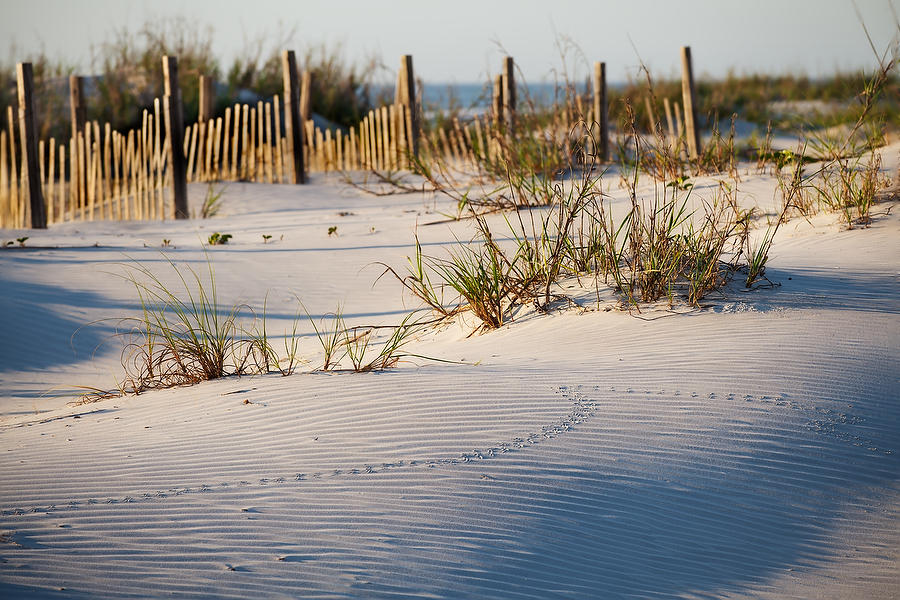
[457, 40]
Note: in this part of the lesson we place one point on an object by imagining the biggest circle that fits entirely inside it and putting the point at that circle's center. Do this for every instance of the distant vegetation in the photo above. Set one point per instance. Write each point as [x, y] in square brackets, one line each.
[126, 75]
[760, 98]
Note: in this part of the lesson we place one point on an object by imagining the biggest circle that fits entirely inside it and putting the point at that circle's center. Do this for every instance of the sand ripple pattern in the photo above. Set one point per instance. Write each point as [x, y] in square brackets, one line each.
[525, 489]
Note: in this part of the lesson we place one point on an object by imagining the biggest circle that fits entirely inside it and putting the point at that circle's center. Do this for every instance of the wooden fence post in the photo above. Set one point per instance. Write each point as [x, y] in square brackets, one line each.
[497, 99]
[207, 99]
[25, 79]
[293, 125]
[76, 104]
[410, 101]
[174, 114]
[509, 93]
[305, 96]
[690, 103]
[601, 110]
[176, 159]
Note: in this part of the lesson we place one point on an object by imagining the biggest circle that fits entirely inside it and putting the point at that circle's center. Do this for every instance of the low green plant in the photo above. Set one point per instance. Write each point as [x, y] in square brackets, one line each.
[331, 337]
[261, 350]
[391, 350]
[212, 203]
[332, 231]
[219, 239]
[482, 279]
[851, 189]
[266, 238]
[22, 241]
[357, 343]
[681, 182]
[758, 256]
[266, 359]
[418, 281]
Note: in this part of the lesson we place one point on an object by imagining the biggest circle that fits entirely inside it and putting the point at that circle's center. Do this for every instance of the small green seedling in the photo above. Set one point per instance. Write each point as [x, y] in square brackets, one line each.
[166, 243]
[219, 239]
[681, 183]
[21, 241]
[784, 158]
[212, 202]
[266, 238]
[332, 230]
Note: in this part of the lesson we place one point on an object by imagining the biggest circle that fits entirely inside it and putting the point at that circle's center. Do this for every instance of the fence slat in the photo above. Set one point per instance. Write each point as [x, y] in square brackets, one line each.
[279, 146]
[224, 165]
[62, 182]
[216, 171]
[51, 182]
[4, 184]
[107, 173]
[245, 143]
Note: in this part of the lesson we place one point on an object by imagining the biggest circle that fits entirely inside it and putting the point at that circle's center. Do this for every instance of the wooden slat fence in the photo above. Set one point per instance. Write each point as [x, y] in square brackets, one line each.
[106, 174]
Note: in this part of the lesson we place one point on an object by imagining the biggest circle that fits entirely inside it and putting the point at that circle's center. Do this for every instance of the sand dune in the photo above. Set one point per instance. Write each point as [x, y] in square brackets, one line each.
[749, 449]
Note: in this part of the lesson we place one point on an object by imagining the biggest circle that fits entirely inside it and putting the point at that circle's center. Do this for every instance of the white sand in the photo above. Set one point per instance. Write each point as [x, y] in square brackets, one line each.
[749, 449]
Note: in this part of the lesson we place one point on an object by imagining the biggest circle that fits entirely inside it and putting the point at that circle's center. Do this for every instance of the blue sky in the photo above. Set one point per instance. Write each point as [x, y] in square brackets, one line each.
[459, 40]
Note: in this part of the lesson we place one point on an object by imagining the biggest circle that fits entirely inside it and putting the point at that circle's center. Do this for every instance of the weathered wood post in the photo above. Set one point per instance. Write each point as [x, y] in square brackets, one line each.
[497, 99]
[689, 97]
[25, 79]
[207, 99]
[509, 94]
[407, 87]
[293, 125]
[174, 115]
[601, 111]
[76, 104]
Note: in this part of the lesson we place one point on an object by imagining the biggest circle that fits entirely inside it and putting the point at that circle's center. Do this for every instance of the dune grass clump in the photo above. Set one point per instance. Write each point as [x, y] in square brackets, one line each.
[660, 249]
[357, 344]
[182, 338]
[185, 335]
[852, 190]
[845, 173]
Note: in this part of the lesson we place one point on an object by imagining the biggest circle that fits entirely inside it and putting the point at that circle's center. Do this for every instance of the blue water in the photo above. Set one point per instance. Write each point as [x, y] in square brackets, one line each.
[476, 97]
